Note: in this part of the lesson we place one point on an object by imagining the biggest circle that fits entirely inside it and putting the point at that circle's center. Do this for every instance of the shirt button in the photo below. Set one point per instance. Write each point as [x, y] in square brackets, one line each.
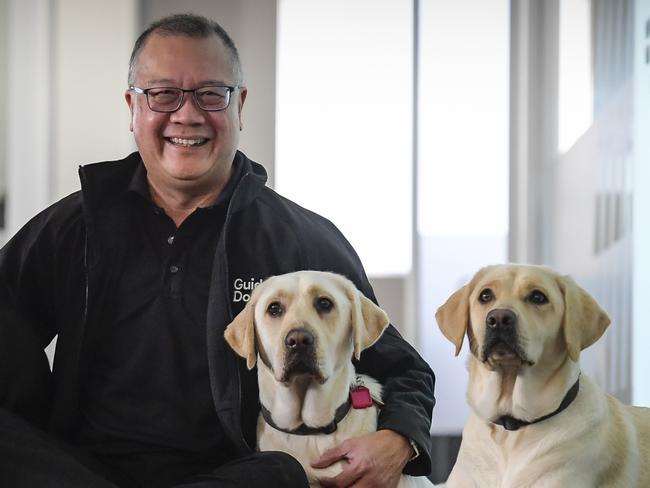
[173, 269]
[170, 240]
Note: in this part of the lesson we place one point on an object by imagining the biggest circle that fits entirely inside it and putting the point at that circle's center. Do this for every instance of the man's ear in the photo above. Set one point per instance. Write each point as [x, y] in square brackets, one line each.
[368, 320]
[243, 91]
[584, 321]
[240, 334]
[453, 317]
[130, 100]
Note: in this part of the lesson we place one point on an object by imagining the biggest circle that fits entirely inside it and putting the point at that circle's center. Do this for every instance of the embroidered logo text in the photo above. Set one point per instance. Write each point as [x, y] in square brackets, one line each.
[243, 289]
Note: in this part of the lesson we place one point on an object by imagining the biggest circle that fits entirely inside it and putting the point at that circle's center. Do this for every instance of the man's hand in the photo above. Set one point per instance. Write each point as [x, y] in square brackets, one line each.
[375, 460]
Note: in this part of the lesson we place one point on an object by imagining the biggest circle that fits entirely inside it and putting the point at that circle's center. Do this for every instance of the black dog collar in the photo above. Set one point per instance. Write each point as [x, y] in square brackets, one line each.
[511, 423]
[303, 429]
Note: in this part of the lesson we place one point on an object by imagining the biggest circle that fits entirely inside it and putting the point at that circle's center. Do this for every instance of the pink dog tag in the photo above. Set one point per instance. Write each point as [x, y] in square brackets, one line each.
[360, 396]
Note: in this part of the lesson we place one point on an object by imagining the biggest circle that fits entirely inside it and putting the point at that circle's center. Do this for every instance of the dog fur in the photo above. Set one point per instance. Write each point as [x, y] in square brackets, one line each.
[332, 321]
[524, 370]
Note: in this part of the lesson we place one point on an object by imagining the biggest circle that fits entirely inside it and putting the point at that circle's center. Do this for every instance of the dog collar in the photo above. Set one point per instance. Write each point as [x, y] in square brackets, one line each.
[358, 398]
[303, 429]
[511, 423]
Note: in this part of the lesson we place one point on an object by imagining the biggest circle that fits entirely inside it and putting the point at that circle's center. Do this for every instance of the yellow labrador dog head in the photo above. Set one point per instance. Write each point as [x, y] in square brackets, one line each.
[516, 315]
[305, 324]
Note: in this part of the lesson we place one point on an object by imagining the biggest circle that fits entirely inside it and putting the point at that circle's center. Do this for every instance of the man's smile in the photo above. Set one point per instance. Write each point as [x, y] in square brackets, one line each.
[179, 141]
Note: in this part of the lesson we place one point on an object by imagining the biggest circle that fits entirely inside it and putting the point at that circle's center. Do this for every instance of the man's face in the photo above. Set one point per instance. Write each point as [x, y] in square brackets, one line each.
[167, 141]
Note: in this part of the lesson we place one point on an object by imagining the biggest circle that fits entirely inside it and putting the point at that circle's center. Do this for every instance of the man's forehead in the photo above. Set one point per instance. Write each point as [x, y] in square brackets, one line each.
[164, 58]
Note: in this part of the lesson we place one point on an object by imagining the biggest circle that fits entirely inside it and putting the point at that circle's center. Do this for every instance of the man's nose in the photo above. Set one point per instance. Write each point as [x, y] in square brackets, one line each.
[189, 112]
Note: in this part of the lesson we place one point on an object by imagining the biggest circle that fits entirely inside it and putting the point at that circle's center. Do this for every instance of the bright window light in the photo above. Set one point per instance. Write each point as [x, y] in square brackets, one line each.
[575, 73]
[344, 121]
[463, 118]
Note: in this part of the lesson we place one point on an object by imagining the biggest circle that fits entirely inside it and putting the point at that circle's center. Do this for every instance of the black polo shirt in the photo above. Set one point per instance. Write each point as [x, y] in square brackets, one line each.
[147, 405]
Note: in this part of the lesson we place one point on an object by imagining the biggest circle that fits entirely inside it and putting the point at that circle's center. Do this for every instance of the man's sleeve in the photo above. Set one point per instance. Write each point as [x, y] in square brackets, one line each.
[408, 393]
[26, 325]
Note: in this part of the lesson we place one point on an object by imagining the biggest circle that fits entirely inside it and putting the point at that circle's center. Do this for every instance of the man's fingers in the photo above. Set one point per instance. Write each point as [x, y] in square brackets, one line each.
[331, 456]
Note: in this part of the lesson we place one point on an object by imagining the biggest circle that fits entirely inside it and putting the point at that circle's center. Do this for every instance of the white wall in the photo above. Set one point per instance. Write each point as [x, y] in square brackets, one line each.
[91, 49]
[4, 38]
[29, 109]
[68, 63]
[641, 205]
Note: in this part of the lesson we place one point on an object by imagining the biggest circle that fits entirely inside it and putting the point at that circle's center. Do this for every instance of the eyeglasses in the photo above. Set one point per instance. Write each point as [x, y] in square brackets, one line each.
[169, 99]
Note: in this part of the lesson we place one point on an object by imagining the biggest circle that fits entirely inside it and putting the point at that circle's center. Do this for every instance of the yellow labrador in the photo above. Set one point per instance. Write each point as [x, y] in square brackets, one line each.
[302, 330]
[536, 420]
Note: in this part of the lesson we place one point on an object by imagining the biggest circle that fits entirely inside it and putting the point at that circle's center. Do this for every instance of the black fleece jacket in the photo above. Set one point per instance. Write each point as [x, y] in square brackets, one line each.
[56, 272]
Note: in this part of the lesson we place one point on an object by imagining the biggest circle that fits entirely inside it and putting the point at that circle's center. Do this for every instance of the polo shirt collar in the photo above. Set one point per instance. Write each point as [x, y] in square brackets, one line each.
[140, 185]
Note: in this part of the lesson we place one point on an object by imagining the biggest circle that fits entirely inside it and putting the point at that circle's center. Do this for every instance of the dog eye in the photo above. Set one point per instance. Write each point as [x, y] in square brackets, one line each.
[486, 296]
[537, 297]
[275, 309]
[323, 304]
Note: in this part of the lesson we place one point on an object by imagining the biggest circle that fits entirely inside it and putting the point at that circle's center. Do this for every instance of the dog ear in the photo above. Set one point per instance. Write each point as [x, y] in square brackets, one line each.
[584, 321]
[368, 320]
[240, 334]
[453, 317]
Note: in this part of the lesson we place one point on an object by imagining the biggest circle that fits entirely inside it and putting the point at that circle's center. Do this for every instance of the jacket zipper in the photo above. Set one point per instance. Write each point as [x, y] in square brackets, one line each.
[227, 292]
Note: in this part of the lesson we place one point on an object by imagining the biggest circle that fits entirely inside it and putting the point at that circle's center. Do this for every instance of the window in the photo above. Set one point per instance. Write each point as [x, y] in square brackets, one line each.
[575, 110]
[344, 121]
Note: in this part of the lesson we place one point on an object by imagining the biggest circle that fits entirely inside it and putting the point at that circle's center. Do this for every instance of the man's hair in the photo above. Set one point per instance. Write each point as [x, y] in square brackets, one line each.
[189, 25]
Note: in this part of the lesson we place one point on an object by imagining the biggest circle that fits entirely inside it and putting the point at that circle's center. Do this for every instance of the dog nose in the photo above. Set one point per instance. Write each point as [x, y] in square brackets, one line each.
[299, 340]
[501, 318]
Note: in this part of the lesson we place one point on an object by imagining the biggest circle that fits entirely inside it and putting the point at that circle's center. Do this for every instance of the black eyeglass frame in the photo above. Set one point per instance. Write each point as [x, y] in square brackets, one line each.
[145, 91]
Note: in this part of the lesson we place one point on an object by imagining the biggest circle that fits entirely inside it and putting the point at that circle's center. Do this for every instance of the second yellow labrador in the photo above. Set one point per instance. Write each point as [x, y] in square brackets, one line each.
[302, 330]
[535, 419]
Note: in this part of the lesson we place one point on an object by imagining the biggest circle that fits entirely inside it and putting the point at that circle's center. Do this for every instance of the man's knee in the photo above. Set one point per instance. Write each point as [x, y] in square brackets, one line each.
[288, 471]
[30, 457]
[269, 469]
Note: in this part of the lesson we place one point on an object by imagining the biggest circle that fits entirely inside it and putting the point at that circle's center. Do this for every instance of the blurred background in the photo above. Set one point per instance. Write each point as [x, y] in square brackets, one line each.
[439, 135]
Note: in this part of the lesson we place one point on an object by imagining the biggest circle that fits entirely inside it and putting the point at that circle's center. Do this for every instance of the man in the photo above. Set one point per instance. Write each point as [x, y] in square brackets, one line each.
[138, 275]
